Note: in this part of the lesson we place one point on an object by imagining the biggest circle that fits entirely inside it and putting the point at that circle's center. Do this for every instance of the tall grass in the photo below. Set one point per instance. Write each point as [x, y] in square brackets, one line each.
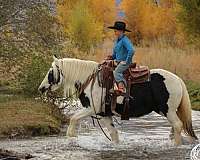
[183, 62]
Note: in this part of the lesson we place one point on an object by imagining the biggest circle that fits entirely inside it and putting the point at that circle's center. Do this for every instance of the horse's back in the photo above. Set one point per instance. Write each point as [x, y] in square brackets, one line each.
[164, 73]
[171, 81]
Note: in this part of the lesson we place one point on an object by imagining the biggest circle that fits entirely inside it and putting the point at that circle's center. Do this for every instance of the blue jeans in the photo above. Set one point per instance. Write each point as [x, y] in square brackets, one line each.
[118, 73]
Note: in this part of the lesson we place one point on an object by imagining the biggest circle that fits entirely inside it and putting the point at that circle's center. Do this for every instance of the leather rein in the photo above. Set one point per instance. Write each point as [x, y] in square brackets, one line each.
[91, 79]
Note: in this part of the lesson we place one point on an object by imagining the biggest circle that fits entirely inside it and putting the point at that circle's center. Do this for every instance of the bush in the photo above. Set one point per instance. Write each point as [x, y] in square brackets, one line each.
[189, 16]
[194, 92]
[33, 74]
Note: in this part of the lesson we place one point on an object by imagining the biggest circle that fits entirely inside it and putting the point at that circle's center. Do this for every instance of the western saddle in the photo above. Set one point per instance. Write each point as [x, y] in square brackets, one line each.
[133, 75]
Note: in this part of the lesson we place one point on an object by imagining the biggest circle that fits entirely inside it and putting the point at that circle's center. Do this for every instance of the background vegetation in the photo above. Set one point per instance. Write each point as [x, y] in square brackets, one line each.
[166, 34]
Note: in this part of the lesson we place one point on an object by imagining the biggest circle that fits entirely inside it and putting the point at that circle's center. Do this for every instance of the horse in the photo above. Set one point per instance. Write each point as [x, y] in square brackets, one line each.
[165, 93]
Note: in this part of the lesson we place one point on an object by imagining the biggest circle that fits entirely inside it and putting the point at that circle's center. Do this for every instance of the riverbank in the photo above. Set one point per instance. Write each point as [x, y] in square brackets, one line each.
[22, 117]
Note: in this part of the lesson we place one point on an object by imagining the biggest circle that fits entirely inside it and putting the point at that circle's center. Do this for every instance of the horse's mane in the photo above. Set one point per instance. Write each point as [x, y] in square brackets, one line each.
[76, 69]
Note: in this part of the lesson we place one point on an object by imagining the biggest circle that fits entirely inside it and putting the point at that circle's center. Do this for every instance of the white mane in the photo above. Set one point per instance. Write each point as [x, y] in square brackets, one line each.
[75, 69]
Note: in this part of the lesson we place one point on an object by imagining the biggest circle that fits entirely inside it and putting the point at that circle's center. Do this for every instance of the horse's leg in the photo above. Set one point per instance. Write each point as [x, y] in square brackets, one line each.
[108, 122]
[177, 126]
[75, 118]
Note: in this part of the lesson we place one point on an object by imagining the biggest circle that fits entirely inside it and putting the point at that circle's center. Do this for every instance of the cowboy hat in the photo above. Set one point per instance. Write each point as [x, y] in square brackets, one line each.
[119, 26]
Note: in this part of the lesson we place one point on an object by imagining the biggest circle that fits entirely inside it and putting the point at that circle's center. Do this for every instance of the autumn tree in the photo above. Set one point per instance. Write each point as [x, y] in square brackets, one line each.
[104, 10]
[85, 20]
[84, 30]
[148, 21]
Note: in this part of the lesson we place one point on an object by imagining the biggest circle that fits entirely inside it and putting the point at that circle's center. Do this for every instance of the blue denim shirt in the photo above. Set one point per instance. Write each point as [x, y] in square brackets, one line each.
[123, 49]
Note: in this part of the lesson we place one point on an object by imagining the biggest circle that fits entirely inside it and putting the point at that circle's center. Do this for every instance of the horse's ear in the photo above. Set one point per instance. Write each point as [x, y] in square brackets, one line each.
[55, 59]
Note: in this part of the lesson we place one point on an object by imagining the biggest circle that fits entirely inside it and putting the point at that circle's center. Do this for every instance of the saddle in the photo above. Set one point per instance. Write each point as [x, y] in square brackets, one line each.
[134, 74]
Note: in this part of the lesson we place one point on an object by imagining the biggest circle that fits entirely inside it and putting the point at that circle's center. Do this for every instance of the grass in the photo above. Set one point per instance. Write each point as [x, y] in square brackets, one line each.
[183, 62]
[194, 92]
[22, 117]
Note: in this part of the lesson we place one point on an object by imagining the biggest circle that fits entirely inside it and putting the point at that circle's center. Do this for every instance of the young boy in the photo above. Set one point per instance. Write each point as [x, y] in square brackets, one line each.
[123, 52]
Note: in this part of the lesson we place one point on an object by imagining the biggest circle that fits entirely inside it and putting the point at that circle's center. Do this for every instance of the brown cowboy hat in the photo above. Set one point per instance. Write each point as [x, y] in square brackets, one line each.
[119, 26]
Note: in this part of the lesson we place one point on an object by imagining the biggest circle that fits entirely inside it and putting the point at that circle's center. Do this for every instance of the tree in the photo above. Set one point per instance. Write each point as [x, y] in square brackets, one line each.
[147, 21]
[84, 21]
[84, 30]
[27, 26]
[104, 10]
[189, 16]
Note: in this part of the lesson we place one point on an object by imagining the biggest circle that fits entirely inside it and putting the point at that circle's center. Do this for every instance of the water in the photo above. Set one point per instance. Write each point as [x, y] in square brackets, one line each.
[140, 138]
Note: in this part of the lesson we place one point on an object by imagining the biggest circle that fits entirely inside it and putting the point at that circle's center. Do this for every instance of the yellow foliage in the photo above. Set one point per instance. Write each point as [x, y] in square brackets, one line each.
[81, 25]
[63, 10]
[84, 21]
[149, 21]
[104, 10]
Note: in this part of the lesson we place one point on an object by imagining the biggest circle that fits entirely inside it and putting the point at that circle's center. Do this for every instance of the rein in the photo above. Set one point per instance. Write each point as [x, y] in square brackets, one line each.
[82, 87]
[92, 85]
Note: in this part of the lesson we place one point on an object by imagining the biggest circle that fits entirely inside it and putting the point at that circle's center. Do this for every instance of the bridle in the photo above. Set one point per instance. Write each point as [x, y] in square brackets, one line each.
[52, 80]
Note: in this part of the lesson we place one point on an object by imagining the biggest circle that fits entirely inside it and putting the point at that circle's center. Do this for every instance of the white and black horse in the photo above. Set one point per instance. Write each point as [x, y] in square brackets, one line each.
[165, 94]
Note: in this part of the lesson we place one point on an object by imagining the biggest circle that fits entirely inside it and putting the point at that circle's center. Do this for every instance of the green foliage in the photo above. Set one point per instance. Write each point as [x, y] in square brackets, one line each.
[84, 30]
[33, 74]
[194, 92]
[26, 27]
[189, 16]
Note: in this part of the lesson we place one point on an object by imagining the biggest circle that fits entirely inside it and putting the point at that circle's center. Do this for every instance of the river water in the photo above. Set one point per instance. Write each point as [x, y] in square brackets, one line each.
[140, 138]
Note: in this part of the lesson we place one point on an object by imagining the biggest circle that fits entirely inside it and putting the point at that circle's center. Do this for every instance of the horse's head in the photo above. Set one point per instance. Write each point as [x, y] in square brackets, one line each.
[53, 78]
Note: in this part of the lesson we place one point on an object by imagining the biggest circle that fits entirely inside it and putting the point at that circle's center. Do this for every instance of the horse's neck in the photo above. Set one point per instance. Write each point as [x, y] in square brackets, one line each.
[75, 69]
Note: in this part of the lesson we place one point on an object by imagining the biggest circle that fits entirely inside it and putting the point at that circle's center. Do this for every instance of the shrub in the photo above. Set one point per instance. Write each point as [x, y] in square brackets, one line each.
[189, 16]
[33, 74]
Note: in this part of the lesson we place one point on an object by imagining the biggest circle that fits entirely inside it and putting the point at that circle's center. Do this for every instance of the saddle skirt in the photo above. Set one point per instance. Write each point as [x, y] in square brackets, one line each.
[137, 74]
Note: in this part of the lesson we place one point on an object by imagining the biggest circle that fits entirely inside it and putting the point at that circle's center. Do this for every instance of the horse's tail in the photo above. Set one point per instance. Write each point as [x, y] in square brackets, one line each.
[184, 112]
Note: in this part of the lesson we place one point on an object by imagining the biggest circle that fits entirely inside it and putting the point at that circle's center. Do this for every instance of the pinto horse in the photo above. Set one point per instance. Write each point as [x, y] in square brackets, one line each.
[165, 93]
